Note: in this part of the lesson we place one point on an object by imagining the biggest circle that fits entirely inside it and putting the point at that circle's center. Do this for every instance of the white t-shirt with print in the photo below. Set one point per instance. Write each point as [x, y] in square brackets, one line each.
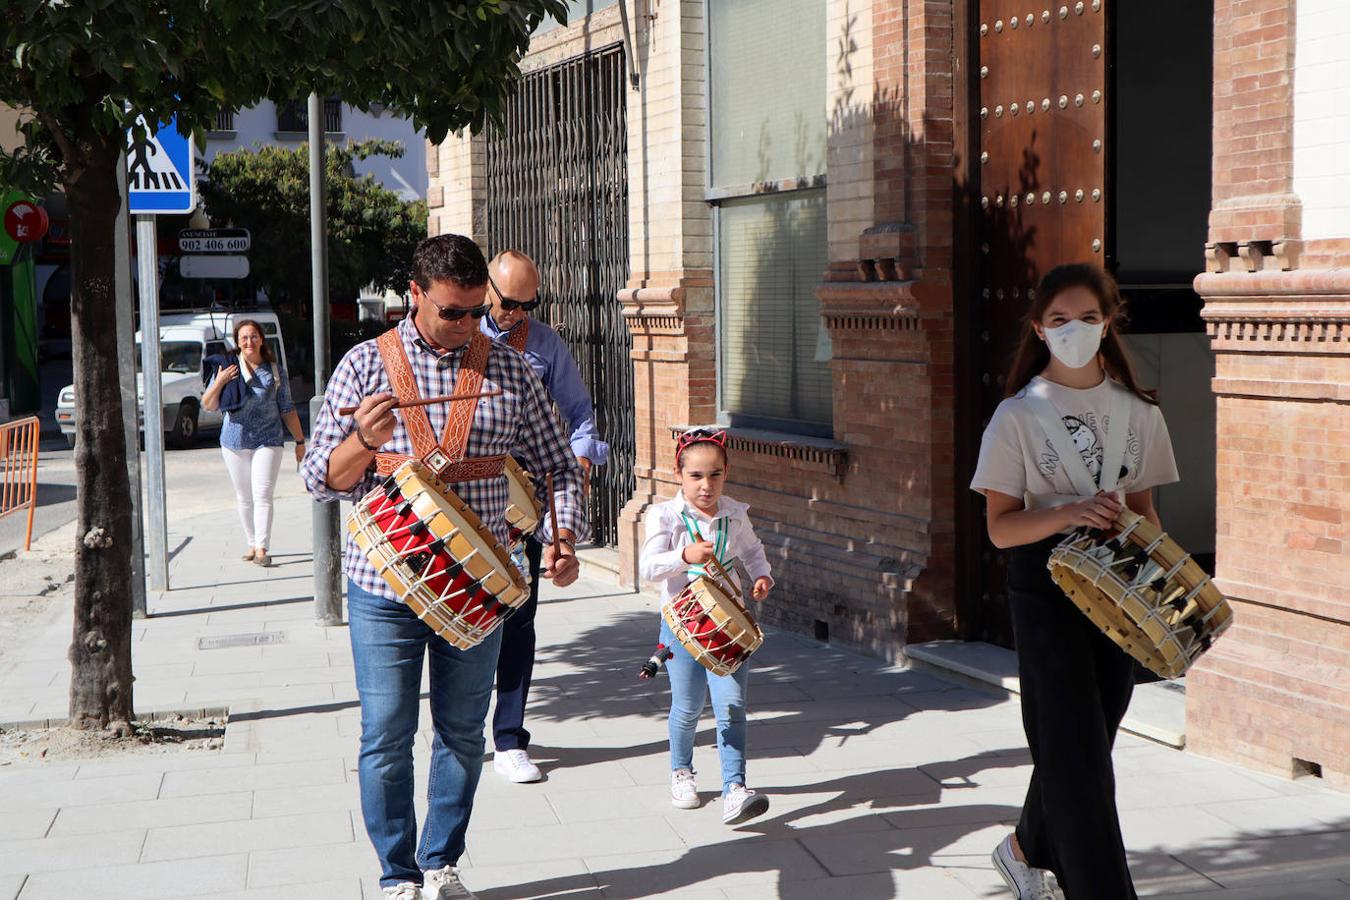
[1017, 458]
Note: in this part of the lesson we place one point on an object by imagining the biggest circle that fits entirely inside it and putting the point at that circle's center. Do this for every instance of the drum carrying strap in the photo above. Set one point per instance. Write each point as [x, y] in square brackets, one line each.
[720, 541]
[459, 420]
[519, 336]
[1113, 453]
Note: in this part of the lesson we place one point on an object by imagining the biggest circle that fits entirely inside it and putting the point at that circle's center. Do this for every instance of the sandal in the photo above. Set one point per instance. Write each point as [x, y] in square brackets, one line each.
[248, 557]
[262, 559]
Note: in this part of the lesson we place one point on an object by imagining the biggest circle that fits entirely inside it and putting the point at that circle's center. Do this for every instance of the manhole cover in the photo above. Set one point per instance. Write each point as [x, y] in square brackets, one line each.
[255, 639]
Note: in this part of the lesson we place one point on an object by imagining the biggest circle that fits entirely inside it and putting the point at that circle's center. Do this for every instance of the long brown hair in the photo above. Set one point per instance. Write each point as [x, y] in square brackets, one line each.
[265, 349]
[1032, 353]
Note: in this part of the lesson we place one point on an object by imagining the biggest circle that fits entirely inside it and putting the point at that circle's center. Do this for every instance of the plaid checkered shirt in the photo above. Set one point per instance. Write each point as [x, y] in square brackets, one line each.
[519, 422]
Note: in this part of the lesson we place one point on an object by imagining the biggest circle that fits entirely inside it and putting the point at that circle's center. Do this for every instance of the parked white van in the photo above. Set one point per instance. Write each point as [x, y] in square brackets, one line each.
[185, 340]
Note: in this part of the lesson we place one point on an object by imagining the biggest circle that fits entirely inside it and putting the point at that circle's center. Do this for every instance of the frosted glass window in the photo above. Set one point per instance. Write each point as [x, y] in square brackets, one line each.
[774, 349]
[767, 90]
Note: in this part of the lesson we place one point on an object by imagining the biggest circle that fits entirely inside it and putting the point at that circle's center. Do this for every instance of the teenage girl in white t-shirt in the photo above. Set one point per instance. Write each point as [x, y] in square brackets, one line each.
[1072, 367]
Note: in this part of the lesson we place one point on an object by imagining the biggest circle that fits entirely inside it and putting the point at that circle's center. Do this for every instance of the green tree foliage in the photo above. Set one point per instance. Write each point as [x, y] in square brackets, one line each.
[85, 69]
[371, 231]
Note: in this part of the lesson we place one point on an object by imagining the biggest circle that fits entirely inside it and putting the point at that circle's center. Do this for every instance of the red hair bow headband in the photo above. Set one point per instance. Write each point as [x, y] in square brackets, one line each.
[699, 436]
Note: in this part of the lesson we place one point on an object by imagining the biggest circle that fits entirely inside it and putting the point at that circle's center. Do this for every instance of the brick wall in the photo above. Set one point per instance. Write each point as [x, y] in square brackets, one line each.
[457, 187]
[1272, 692]
[861, 549]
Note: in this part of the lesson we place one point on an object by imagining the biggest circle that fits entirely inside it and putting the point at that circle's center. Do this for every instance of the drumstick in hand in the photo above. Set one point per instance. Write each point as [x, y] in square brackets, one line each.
[429, 401]
[553, 514]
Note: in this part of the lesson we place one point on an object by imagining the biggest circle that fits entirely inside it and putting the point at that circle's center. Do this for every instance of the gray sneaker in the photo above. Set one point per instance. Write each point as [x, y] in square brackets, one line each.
[1025, 882]
[444, 884]
[404, 891]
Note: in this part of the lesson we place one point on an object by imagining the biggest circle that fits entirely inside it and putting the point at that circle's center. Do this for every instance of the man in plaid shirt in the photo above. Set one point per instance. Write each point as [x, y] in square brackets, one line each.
[449, 287]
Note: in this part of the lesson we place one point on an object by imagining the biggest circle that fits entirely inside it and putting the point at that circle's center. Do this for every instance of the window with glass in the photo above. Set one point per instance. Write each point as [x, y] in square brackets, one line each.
[766, 162]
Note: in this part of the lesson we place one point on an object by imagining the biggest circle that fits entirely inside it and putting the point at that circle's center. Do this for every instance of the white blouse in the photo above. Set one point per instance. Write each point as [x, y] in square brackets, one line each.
[662, 559]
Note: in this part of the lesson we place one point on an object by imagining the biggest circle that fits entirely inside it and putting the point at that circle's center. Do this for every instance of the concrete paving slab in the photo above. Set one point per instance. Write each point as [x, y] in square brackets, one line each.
[210, 876]
[85, 792]
[52, 854]
[23, 824]
[143, 814]
[182, 784]
[10, 885]
[340, 889]
[243, 835]
[286, 801]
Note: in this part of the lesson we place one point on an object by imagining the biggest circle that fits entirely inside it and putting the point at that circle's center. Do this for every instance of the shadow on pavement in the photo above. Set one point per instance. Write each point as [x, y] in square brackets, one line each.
[208, 610]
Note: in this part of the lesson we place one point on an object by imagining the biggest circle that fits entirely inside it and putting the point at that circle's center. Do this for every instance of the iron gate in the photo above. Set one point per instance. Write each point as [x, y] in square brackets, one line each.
[1041, 115]
[557, 189]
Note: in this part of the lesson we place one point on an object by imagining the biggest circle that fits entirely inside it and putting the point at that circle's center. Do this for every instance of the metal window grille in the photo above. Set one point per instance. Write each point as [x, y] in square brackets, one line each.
[558, 190]
[294, 115]
[225, 120]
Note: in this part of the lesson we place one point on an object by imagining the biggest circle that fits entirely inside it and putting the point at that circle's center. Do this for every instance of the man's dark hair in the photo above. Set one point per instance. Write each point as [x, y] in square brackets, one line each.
[449, 257]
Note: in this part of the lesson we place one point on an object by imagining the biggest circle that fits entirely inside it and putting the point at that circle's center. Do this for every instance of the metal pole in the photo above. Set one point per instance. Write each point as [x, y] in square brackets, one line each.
[157, 533]
[126, 367]
[327, 555]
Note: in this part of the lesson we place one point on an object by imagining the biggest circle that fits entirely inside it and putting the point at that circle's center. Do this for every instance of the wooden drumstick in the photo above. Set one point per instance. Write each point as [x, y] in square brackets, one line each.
[428, 401]
[553, 515]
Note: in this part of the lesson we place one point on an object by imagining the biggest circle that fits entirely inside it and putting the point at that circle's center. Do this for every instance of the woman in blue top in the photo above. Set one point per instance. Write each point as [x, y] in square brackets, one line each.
[252, 437]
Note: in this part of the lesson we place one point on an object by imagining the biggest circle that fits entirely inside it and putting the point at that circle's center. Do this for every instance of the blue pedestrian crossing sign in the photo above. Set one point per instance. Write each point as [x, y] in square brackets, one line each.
[159, 170]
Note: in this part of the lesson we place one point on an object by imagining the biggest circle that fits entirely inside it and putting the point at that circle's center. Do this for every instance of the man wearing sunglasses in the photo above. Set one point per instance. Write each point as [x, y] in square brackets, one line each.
[513, 293]
[431, 347]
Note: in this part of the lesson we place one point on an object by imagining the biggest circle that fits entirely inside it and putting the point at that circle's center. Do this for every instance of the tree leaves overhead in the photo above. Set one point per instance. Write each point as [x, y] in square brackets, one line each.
[371, 231]
[448, 65]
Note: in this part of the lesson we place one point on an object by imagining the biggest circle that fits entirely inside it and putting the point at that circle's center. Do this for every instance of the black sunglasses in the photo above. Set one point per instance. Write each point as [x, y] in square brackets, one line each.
[455, 313]
[508, 304]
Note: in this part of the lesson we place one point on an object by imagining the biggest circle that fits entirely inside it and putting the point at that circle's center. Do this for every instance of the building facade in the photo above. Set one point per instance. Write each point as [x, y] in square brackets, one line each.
[271, 123]
[833, 213]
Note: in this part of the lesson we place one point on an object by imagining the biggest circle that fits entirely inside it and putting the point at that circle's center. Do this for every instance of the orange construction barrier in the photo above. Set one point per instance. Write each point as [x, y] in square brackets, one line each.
[18, 478]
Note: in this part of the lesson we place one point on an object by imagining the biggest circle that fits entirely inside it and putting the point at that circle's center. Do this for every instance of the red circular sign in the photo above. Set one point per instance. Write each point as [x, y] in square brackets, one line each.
[25, 221]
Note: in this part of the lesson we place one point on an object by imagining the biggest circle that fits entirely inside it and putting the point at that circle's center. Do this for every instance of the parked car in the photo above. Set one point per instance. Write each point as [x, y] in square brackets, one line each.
[185, 340]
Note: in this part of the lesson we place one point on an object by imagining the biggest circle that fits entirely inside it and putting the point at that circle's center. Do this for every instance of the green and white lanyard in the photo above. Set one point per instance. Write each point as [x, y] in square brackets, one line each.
[720, 540]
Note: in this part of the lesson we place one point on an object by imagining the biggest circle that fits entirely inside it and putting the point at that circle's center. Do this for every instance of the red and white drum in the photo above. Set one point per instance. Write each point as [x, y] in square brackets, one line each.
[437, 555]
[711, 623]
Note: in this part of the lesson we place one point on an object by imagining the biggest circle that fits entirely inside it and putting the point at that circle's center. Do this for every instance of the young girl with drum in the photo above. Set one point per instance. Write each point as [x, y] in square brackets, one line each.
[698, 525]
[1072, 404]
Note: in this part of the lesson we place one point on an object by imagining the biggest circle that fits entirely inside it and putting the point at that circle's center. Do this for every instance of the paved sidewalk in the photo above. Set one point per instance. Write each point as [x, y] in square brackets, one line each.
[884, 782]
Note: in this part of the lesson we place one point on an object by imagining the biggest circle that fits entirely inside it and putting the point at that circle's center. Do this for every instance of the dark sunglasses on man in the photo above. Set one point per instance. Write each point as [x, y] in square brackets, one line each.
[455, 313]
[509, 304]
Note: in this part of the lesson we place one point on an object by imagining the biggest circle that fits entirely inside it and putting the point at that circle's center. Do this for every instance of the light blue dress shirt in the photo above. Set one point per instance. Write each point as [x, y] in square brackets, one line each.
[553, 363]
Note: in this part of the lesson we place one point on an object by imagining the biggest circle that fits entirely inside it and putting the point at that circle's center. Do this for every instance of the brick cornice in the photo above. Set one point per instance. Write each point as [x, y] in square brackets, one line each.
[655, 302]
[1296, 312]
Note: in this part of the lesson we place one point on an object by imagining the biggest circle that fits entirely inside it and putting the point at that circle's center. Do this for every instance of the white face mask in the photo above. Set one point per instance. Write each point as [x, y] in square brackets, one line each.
[1075, 343]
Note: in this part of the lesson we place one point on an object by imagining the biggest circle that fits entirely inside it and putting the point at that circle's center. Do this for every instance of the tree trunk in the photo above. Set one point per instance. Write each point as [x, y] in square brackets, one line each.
[100, 654]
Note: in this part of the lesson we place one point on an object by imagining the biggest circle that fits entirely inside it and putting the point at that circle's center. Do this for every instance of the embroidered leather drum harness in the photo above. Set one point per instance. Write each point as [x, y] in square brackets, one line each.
[445, 459]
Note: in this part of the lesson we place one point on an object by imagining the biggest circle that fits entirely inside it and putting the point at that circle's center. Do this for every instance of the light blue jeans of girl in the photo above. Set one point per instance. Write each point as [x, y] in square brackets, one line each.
[690, 685]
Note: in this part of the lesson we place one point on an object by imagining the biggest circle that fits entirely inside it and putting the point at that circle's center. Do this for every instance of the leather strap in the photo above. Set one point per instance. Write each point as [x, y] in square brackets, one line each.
[1052, 423]
[400, 373]
[475, 469]
[459, 422]
[519, 336]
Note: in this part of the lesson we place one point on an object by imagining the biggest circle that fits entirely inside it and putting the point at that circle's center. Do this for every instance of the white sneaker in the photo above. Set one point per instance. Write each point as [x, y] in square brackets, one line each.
[404, 891]
[515, 765]
[444, 884]
[683, 792]
[1025, 882]
[741, 803]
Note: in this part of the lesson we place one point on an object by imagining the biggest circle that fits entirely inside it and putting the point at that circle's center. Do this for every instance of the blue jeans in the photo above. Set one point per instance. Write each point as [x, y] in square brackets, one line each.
[690, 685]
[388, 644]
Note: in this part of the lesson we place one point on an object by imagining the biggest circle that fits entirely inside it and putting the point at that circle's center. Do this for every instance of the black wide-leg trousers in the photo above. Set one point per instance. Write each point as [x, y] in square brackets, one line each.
[1076, 686]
